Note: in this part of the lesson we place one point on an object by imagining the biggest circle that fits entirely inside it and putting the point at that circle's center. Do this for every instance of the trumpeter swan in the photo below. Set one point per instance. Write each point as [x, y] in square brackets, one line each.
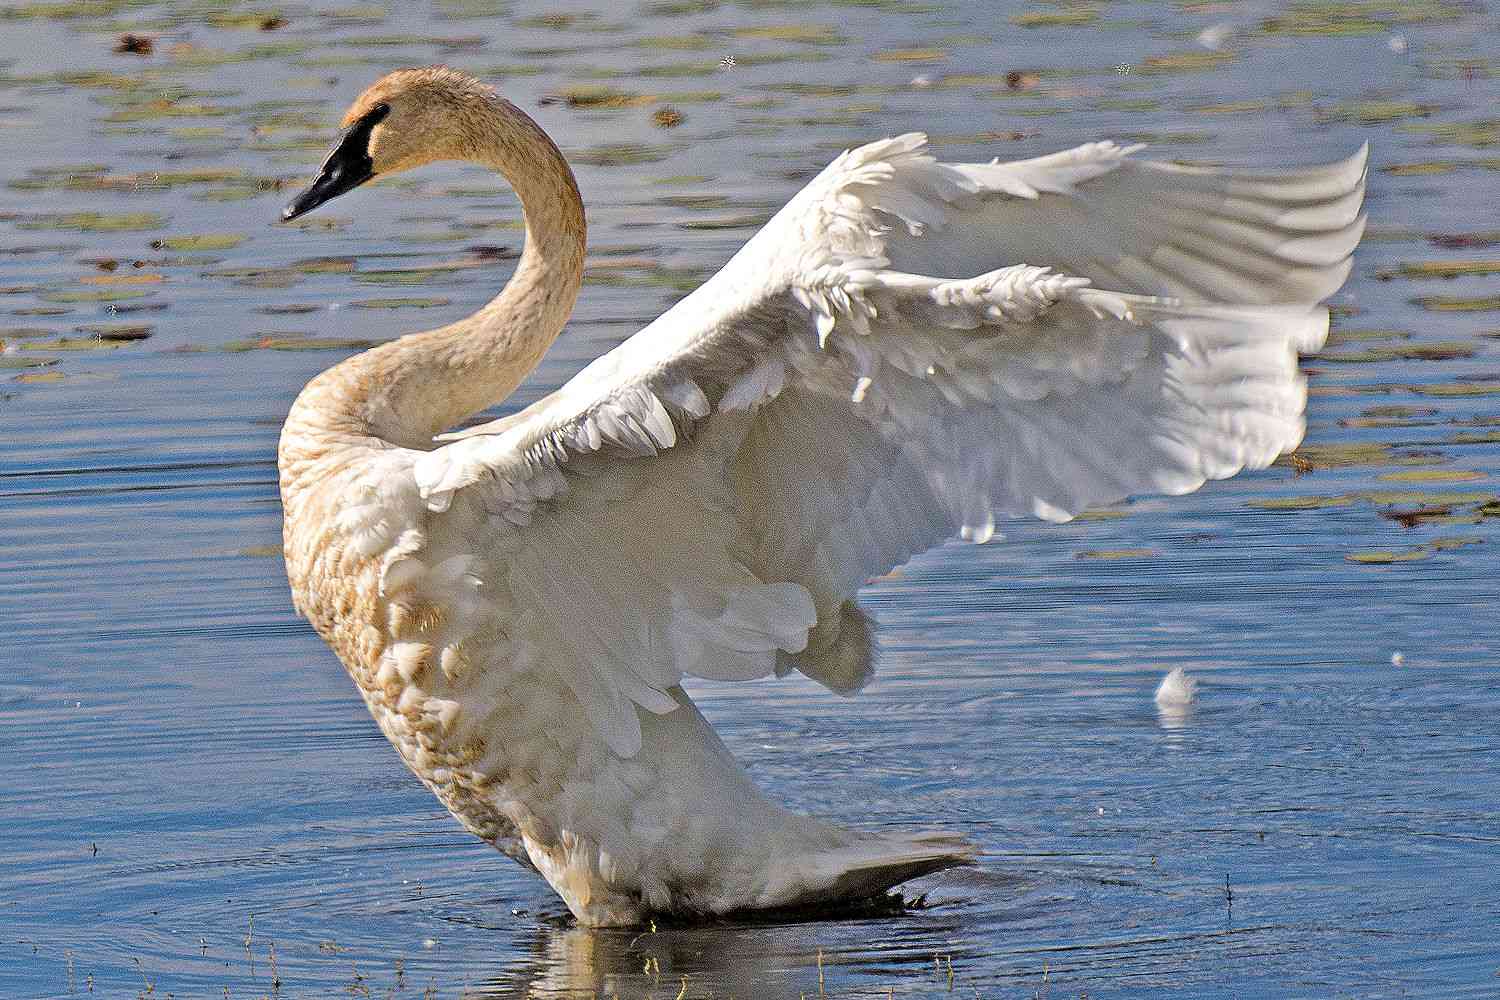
[909, 349]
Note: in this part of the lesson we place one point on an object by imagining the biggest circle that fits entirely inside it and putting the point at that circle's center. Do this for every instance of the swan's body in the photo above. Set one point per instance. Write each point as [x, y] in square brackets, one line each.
[887, 362]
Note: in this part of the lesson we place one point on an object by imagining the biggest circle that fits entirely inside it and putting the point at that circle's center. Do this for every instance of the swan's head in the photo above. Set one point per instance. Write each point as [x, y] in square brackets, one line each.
[403, 120]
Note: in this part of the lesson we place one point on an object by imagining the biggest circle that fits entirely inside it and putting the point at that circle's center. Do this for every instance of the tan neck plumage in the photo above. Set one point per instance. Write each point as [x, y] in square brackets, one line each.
[404, 392]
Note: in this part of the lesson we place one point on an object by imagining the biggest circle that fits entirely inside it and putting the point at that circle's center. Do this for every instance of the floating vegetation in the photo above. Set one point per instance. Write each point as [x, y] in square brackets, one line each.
[1451, 303]
[667, 118]
[298, 342]
[1446, 351]
[95, 222]
[1416, 553]
[1433, 476]
[411, 275]
[135, 45]
[458, 10]
[1358, 17]
[802, 34]
[260, 551]
[1383, 557]
[1456, 389]
[1116, 554]
[597, 97]
[75, 344]
[677, 8]
[401, 303]
[685, 43]
[1441, 269]
[116, 331]
[69, 10]
[1230, 108]
[1339, 336]
[1377, 112]
[1379, 498]
[1464, 241]
[40, 378]
[1392, 416]
[616, 154]
[911, 55]
[1188, 61]
[1338, 455]
[91, 294]
[1056, 19]
[1413, 517]
[1480, 134]
[12, 362]
[294, 309]
[677, 279]
[199, 242]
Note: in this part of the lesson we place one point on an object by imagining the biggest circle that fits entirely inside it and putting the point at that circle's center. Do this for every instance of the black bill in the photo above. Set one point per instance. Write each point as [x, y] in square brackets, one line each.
[346, 168]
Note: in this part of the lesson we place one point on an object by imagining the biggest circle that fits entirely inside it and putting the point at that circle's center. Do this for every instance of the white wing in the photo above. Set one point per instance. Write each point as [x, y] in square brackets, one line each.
[908, 349]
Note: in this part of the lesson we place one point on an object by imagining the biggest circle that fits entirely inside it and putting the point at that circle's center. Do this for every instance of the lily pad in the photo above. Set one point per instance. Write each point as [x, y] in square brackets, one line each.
[1451, 303]
[597, 97]
[1406, 352]
[1303, 503]
[75, 344]
[613, 154]
[1412, 517]
[96, 222]
[1428, 168]
[296, 342]
[1056, 19]
[13, 362]
[911, 55]
[40, 378]
[117, 280]
[1441, 269]
[1480, 134]
[1378, 112]
[409, 302]
[116, 331]
[199, 242]
[153, 180]
[259, 551]
[1433, 476]
[1383, 557]
[1339, 455]
[293, 309]
[803, 34]
[92, 294]
[1189, 61]
[1454, 542]
[1456, 389]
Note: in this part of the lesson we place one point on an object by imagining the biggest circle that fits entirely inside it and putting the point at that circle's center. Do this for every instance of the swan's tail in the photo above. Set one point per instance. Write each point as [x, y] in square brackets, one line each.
[865, 867]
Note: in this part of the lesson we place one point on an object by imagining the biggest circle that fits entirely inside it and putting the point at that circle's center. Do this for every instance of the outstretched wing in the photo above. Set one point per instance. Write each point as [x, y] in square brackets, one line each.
[908, 349]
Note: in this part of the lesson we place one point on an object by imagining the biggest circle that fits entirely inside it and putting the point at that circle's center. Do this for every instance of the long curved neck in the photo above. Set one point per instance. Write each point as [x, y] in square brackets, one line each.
[406, 391]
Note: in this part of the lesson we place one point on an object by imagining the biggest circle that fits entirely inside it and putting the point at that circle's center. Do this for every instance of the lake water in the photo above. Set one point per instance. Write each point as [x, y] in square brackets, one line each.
[194, 803]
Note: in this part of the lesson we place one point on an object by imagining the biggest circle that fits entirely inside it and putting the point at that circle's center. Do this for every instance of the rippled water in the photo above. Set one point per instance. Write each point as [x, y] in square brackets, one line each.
[194, 801]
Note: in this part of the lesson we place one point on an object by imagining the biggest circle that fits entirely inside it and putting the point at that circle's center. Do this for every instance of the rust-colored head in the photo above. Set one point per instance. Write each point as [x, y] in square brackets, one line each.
[403, 120]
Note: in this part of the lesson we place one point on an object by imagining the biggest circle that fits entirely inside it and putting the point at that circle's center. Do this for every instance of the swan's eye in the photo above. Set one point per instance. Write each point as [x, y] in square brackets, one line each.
[374, 116]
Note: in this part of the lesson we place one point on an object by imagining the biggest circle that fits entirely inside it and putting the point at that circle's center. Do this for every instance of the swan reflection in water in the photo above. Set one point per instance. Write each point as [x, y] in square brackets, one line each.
[748, 960]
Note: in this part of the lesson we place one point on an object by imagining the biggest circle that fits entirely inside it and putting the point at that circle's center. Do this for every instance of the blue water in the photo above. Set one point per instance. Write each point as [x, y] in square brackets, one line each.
[195, 803]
